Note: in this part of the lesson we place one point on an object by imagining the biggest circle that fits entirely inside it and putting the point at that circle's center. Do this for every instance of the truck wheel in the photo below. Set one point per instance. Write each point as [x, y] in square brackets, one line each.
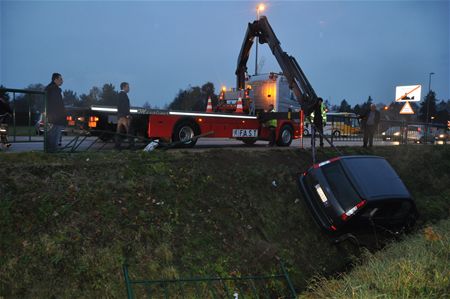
[182, 133]
[285, 137]
[249, 141]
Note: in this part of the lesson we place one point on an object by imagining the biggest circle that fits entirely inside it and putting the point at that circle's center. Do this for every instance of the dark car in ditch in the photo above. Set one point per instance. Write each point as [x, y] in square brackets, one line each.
[357, 192]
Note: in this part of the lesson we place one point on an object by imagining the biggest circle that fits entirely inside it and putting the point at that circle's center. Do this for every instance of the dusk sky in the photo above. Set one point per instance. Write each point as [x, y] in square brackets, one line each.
[347, 49]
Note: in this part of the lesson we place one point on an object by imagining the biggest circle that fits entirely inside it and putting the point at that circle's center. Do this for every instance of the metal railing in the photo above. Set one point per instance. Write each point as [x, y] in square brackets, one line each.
[265, 286]
[23, 126]
[348, 128]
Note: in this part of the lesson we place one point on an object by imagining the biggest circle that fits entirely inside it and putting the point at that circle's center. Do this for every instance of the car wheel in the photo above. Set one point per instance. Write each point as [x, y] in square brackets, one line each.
[285, 136]
[305, 132]
[183, 133]
[337, 133]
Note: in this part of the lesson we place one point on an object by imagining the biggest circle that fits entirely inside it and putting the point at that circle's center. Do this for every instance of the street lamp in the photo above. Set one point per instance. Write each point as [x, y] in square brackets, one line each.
[259, 8]
[429, 90]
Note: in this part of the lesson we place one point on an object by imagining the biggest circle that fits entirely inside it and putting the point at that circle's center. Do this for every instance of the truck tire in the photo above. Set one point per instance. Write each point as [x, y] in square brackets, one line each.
[184, 131]
[286, 136]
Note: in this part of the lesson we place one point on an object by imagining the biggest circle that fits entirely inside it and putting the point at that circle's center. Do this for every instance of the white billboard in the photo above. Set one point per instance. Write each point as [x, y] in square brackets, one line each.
[409, 93]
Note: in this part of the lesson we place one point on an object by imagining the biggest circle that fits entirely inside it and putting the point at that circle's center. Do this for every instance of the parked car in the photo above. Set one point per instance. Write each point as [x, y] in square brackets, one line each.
[391, 134]
[39, 126]
[357, 192]
[441, 135]
[414, 134]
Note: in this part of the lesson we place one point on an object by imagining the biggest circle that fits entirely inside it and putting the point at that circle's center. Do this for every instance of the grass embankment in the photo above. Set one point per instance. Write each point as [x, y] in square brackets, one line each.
[417, 267]
[68, 222]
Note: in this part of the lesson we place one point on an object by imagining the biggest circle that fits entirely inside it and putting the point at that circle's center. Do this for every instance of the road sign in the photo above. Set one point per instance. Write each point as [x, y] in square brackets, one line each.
[409, 93]
[407, 109]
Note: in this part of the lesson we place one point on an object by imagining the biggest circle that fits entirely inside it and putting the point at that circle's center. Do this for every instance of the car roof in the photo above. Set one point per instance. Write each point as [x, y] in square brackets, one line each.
[374, 178]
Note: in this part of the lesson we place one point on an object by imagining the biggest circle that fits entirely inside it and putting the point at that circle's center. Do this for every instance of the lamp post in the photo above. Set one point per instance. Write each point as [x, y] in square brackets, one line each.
[429, 90]
[259, 9]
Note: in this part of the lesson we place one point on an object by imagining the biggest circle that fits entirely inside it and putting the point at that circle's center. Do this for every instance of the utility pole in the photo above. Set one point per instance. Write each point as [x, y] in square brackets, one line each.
[428, 99]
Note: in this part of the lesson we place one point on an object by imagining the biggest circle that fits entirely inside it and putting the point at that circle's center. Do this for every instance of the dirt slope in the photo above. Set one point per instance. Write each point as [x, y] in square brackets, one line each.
[68, 222]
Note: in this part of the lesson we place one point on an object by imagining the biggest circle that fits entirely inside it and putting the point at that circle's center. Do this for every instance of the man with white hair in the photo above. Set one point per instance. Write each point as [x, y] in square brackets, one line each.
[369, 124]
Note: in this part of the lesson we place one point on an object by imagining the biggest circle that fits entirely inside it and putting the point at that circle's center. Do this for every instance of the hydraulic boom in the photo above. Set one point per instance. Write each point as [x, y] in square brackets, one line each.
[298, 82]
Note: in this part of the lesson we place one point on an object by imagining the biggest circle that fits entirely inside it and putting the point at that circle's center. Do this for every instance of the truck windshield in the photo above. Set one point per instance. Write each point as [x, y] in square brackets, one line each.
[341, 186]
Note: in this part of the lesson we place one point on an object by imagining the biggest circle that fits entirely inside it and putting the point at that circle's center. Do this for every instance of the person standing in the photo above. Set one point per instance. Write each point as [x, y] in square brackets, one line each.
[123, 116]
[5, 112]
[272, 125]
[56, 112]
[369, 124]
[319, 119]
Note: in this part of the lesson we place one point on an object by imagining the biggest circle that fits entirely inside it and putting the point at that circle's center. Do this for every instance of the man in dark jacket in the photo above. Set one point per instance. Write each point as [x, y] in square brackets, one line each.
[56, 112]
[369, 124]
[5, 112]
[123, 115]
[319, 112]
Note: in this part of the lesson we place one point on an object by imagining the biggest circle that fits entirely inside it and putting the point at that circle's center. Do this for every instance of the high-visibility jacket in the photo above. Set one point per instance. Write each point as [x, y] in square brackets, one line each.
[272, 122]
[323, 111]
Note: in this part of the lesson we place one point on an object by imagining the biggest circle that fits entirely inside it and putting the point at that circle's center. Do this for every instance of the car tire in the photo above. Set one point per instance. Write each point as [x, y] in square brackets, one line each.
[337, 134]
[305, 132]
[185, 131]
[285, 136]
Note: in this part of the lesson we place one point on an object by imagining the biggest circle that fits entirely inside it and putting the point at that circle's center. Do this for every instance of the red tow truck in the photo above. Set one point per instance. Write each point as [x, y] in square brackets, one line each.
[288, 91]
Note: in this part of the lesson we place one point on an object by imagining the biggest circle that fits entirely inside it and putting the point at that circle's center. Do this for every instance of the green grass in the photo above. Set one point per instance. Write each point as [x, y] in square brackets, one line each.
[417, 267]
[69, 221]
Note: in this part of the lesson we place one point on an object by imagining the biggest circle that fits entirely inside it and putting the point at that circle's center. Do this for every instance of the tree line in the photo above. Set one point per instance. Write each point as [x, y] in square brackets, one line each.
[194, 98]
[438, 112]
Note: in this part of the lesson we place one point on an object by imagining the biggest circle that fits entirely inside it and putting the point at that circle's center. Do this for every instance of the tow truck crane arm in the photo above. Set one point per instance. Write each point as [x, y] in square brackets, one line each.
[298, 82]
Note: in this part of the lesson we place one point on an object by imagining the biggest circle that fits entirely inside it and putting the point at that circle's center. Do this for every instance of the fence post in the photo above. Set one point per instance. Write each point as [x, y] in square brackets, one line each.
[14, 116]
[291, 287]
[46, 124]
[127, 282]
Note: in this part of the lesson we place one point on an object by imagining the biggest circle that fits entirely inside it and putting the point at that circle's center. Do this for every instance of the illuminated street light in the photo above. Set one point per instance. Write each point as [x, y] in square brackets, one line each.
[260, 8]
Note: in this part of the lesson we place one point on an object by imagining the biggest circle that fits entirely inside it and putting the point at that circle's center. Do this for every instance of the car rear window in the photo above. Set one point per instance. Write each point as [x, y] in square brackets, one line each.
[340, 185]
[375, 178]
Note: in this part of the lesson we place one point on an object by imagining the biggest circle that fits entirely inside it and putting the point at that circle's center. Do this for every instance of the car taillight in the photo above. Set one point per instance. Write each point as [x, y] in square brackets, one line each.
[333, 228]
[326, 162]
[352, 211]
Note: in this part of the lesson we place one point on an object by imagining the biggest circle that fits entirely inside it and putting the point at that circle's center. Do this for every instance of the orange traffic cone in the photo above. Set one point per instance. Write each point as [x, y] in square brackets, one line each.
[209, 106]
[239, 108]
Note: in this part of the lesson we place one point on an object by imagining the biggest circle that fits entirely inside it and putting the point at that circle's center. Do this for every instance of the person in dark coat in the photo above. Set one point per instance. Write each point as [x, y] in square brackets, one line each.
[123, 116]
[318, 120]
[56, 112]
[369, 124]
[5, 112]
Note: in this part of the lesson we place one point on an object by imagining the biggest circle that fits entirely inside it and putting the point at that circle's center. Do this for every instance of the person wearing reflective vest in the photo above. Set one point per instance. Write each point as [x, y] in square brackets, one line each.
[272, 125]
[319, 117]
